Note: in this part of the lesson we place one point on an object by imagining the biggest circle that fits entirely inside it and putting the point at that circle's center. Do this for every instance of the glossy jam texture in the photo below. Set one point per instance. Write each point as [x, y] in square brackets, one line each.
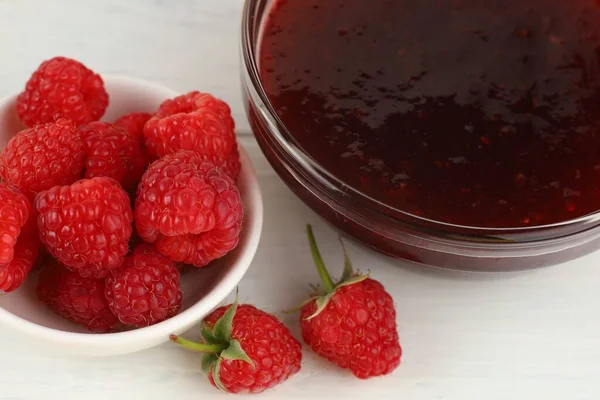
[476, 113]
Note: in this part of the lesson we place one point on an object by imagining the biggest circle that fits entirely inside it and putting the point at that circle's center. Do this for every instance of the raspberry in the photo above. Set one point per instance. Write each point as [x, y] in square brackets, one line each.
[78, 299]
[357, 330]
[42, 157]
[13, 273]
[194, 101]
[134, 124]
[86, 226]
[251, 352]
[62, 87]
[353, 324]
[194, 121]
[189, 209]
[145, 290]
[112, 152]
[15, 210]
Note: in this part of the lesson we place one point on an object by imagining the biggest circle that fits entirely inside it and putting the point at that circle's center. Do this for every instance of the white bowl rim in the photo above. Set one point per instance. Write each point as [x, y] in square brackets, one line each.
[188, 317]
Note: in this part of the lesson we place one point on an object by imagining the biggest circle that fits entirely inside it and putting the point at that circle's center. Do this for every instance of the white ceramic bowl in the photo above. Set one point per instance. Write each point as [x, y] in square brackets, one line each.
[203, 288]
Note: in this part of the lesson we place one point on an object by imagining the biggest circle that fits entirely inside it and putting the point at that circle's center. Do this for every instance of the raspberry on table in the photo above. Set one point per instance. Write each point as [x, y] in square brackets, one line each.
[351, 323]
[276, 354]
[13, 273]
[112, 152]
[194, 121]
[366, 309]
[146, 289]
[189, 209]
[86, 226]
[78, 299]
[42, 157]
[134, 124]
[250, 352]
[62, 87]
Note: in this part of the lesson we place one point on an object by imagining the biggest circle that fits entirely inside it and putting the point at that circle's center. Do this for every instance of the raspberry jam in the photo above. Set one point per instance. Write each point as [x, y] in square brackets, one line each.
[469, 112]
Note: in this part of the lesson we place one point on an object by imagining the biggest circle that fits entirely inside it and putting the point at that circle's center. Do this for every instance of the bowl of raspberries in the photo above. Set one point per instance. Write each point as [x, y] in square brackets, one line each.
[128, 212]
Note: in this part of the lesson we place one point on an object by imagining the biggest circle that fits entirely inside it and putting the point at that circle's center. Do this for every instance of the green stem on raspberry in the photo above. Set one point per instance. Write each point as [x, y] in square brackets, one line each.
[326, 280]
[199, 347]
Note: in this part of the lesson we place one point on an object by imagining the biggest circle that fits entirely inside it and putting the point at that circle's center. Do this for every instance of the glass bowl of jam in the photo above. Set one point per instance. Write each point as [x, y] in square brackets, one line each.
[454, 133]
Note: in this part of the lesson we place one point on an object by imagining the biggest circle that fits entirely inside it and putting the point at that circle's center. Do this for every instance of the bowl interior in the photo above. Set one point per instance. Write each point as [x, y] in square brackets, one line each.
[203, 288]
[268, 124]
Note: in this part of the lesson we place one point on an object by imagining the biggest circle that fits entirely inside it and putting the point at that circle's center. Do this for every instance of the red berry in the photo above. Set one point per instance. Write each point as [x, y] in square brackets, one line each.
[270, 345]
[146, 289]
[15, 210]
[42, 157]
[112, 152]
[194, 101]
[86, 226]
[62, 87]
[355, 326]
[189, 209]
[78, 299]
[251, 352]
[357, 329]
[134, 124]
[13, 273]
[194, 121]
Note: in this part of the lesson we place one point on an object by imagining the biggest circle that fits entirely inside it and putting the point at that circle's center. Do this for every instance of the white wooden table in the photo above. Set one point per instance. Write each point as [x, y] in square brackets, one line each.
[532, 335]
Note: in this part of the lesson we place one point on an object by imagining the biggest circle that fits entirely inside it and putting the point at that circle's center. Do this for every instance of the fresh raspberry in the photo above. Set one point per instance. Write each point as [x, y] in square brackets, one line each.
[357, 330]
[145, 290]
[42, 157]
[15, 210]
[134, 124]
[86, 226]
[354, 325]
[112, 152]
[189, 209]
[194, 101]
[13, 274]
[78, 299]
[251, 352]
[194, 121]
[62, 87]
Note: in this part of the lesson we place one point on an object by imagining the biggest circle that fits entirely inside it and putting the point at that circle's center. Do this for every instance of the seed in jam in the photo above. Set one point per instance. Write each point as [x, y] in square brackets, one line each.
[470, 112]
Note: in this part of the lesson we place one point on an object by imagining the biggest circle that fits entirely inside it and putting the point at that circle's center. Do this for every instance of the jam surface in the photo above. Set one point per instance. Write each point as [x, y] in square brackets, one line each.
[470, 112]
